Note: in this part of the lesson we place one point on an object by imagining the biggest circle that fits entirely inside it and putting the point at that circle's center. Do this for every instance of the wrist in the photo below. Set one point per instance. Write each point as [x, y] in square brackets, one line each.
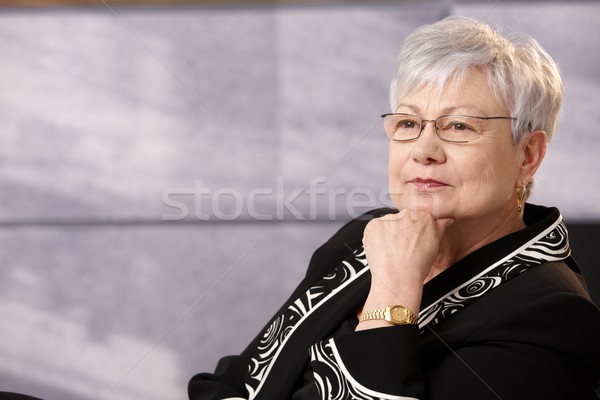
[388, 316]
[381, 296]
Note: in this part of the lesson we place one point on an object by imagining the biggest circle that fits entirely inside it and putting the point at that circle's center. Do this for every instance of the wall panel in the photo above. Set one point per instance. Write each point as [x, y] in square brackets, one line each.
[115, 123]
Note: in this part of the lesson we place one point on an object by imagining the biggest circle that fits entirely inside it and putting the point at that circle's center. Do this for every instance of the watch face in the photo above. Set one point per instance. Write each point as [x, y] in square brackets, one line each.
[398, 314]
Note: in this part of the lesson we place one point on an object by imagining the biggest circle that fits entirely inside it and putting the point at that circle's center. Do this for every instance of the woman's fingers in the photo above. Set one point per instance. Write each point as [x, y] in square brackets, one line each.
[403, 246]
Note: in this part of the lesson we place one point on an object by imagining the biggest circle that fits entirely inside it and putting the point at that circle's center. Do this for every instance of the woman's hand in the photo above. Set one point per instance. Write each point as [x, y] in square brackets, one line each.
[401, 249]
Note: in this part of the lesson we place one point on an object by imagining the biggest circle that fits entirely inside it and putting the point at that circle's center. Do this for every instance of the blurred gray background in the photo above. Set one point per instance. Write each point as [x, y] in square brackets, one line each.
[167, 172]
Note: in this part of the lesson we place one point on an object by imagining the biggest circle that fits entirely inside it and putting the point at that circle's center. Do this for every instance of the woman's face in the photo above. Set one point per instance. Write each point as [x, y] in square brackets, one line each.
[458, 180]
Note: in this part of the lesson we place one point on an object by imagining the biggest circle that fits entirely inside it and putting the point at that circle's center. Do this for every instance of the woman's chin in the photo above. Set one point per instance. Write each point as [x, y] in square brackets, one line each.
[428, 204]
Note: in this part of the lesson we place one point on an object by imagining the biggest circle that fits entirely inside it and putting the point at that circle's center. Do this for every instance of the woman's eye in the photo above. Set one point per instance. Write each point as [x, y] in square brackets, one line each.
[406, 124]
[459, 126]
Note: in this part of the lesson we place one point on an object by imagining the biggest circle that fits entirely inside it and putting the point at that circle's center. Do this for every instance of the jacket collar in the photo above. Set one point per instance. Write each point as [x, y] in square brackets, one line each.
[544, 239]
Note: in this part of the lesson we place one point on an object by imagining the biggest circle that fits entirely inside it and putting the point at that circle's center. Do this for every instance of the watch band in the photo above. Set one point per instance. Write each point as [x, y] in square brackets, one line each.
[397, 315]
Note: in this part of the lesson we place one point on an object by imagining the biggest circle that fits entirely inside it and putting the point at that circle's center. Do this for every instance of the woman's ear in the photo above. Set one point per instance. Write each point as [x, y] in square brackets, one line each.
[533, 147]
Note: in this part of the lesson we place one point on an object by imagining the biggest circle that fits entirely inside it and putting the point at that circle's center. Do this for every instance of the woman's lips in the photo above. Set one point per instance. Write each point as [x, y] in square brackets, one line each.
[423, 183]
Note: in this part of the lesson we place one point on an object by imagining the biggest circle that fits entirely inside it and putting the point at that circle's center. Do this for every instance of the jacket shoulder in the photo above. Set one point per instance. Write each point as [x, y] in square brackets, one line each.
[549, 307]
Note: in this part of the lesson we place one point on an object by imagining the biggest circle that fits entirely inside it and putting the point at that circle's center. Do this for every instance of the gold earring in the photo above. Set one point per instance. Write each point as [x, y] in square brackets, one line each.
[521, 197]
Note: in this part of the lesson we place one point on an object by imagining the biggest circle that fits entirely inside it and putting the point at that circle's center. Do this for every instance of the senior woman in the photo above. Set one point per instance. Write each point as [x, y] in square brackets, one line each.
[467, 292]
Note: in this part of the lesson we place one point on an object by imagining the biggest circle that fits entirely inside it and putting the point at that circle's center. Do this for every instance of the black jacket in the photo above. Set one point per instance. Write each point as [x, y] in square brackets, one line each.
[512, 320]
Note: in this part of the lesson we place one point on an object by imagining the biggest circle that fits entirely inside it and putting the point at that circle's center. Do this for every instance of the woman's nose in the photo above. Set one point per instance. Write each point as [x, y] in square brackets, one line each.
[428, 148]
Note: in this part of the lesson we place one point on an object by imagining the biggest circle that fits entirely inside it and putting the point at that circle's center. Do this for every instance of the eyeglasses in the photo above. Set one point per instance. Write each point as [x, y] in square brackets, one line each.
[450, 128]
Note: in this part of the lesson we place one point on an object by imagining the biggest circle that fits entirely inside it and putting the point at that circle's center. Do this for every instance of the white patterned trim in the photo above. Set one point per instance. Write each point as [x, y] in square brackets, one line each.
[262, 375]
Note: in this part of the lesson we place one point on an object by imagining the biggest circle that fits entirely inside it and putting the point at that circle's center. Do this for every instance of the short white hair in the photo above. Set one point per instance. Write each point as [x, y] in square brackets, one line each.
[521, 74]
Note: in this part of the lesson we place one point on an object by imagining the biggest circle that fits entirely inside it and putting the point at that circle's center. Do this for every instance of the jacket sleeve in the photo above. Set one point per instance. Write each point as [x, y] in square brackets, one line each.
[227, 382]
[373, 364]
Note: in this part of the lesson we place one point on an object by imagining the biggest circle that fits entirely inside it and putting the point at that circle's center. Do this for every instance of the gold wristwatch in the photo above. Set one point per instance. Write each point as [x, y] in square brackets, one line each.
[397, 315]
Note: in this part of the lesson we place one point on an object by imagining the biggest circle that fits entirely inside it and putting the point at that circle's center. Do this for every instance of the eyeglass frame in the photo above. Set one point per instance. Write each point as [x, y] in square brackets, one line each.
[435, 128]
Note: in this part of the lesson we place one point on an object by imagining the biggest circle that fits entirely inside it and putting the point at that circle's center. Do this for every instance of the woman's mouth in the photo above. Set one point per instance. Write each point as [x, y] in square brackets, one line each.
[426, 183]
